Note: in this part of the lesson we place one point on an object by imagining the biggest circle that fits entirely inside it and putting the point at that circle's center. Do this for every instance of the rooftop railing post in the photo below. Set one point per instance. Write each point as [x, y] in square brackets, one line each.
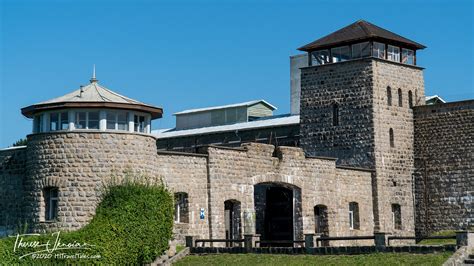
[379, 239]
[189, 241]
[248, 242]
[308, 242]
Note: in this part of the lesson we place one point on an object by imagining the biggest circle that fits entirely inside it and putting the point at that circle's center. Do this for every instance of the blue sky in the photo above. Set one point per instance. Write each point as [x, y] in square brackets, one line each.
[189, 54]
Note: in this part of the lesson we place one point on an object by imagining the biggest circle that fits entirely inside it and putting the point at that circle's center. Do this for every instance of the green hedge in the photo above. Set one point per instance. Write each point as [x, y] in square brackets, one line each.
[133, 225]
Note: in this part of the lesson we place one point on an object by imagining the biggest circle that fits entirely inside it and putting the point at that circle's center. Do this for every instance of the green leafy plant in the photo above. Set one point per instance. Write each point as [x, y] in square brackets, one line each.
[133, 225]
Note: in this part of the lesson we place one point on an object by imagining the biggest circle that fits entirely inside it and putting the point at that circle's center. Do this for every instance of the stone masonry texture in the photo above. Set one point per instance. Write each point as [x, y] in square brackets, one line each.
[444, 173]
[380, 154]
[361, 138]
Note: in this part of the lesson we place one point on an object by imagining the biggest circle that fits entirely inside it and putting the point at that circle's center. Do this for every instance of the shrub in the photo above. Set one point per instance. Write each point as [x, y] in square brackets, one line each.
[133, 225]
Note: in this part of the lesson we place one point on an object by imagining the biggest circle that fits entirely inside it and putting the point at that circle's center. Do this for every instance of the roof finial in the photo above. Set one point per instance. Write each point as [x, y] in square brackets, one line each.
[93, 79]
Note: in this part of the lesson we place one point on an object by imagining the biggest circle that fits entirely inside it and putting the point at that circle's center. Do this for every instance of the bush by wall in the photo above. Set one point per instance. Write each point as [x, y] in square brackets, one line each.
[133, 225]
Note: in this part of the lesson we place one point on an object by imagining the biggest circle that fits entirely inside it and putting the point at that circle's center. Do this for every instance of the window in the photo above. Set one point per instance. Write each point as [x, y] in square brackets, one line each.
[340, 54]
[320, 57]
[389, 96]
[321, 220]
[38, 124]
[181, 207]
[117, 120]
[410, 99]
[354, 215]
[360, 50]
[393, 53]
[392, 141]
[378, 50]
[400, 98]
[408, 56]
[86, 120]
[335, 114]
[93, 120]
[397, 216]
[51, 203]
[80, 121]
[139, 122]
[58, 121]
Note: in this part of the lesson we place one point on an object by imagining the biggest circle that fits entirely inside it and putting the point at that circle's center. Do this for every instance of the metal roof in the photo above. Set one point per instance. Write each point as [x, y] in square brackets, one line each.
[263, 123]
[249, 103]
[94, 92]
[92, 95]
[358, 31]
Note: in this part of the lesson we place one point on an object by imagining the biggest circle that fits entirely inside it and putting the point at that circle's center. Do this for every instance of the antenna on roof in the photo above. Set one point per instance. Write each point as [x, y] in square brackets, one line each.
[93, 79]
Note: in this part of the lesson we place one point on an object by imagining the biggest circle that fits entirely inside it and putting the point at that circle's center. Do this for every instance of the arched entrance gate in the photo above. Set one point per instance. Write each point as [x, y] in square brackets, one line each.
[278, 212]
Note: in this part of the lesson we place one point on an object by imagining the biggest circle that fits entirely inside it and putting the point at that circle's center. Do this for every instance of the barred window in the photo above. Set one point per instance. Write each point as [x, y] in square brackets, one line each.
[51, 203]
[389, 96]
[400, 98]
[181, 207]
[354, 215]
[391, 137]
[397, 216]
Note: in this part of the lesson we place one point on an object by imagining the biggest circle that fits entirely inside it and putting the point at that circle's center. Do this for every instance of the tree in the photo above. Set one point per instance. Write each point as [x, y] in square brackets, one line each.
[20, 142]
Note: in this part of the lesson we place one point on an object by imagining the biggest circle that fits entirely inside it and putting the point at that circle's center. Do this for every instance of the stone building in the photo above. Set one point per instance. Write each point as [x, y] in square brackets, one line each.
[363, 154]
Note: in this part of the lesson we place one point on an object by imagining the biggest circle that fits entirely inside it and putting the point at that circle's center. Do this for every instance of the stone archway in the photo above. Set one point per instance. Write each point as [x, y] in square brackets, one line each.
[278, 212]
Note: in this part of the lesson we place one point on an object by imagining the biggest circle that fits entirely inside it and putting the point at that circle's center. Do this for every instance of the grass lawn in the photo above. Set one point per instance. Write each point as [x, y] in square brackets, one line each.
[440, 241]
[368, 259]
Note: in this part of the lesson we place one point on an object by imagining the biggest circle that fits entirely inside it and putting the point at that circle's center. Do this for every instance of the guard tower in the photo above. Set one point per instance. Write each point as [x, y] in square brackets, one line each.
[79, 141]
[356, 105]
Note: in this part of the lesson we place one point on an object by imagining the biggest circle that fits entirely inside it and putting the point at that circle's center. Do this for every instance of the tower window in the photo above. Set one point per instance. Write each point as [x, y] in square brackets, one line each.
[393, 53]
[392, 141]
[335, 114]
[389, 96]
[117, 120]
[51, 203]
[397, 216]
[58, 121]
[360, 50]
[181, 207]
[87, 120]
[38, 124]
[410, 99]
[340, 54]
[320, 57]
[408, 56]
[354, 215]
[378, 50]
[139, 122]
[400, 98]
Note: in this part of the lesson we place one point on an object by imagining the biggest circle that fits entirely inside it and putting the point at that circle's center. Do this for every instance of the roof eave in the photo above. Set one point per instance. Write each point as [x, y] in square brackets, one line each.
[311, 47]
[30, 111]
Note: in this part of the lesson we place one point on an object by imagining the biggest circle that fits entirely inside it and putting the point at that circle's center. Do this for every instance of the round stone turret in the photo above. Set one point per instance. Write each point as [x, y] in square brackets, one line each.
[80, 142]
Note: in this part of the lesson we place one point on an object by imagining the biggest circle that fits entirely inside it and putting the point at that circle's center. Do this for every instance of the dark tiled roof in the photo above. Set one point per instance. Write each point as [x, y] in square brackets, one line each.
[360, 30]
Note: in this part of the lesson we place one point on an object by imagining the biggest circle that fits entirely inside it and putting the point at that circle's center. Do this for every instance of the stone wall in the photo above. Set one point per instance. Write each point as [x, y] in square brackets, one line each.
[444, 159]
[349, 85]
[357, 89]
[79, 164]
[12, 175]
[234, 172]
[187, 173]
[394, 165]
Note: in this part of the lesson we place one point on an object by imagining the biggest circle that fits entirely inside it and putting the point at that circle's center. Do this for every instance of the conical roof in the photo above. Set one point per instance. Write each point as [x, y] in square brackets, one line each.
[359, 31]
[93, 95]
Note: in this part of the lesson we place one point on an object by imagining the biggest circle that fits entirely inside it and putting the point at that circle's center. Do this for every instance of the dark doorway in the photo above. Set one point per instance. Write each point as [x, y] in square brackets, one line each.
[232, 220]
[278, 213]
[321, 222]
